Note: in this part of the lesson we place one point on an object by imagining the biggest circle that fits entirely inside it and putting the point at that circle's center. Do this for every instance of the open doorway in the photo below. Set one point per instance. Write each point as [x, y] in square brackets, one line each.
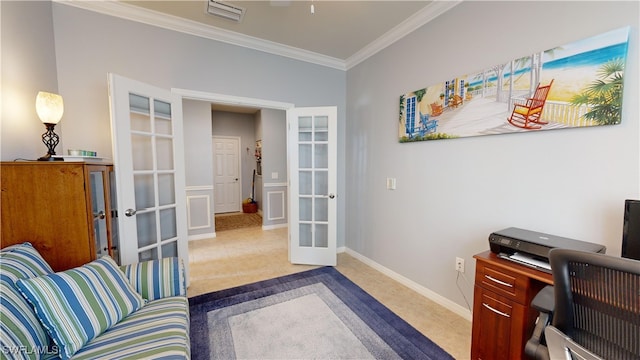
[241, 197]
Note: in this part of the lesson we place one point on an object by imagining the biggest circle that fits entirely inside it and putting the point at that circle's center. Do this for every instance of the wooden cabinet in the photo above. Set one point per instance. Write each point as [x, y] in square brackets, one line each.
[503, 319]
[62, 208]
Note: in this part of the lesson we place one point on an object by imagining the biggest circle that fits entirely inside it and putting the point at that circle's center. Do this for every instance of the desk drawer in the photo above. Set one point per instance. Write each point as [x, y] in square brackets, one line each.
[502, 281]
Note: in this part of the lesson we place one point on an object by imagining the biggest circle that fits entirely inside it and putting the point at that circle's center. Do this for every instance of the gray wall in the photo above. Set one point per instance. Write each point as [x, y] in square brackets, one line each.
[242, 126]
[198, 168]
[273, 124]
[28, 66]
[451, 194]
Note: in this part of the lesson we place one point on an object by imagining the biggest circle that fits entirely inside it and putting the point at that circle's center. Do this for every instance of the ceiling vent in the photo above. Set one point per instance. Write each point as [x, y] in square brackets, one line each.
[225, 10]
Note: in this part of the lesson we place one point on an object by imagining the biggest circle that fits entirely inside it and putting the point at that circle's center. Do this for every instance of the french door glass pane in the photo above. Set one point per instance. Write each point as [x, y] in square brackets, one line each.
[140, 122]
[305, 182]
[170, 249]
[304, 156]
[321, 154]
[151, 254]
[321, 128]
[144, 190]
[166, 189]
[321, 209]
[164, 153]
[142, 152]
[162, 117]
[146, 223]
[305, 209]
[306, 237]
[321, 236]
[168, 228]
[321, 186]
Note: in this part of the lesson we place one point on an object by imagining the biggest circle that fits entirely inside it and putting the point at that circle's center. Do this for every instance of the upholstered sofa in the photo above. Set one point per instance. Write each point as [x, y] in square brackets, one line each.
[96, 311]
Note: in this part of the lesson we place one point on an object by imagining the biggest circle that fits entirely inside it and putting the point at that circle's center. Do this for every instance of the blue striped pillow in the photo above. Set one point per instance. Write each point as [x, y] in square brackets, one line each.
[77, 305]
[157, 279]
[21, 334]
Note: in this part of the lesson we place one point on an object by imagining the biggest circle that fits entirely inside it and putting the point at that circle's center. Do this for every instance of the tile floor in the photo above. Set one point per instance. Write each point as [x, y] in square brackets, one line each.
[243, 256]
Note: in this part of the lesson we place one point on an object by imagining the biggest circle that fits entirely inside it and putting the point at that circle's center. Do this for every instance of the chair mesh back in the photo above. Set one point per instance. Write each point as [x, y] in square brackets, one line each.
[606, 310]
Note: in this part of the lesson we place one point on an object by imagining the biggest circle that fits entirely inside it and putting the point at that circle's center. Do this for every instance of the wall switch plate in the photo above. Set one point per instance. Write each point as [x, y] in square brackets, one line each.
[274, 175]
[391, 183]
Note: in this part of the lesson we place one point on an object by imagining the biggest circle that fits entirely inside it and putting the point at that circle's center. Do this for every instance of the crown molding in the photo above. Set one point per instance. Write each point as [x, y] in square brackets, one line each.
[420, 18]
[170, 22]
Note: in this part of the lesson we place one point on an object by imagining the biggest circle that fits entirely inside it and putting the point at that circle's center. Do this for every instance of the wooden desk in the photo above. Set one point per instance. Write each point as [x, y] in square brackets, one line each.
[503, 319]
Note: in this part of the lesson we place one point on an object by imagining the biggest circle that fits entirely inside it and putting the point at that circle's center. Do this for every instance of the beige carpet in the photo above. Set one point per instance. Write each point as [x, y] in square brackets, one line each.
[237, 221]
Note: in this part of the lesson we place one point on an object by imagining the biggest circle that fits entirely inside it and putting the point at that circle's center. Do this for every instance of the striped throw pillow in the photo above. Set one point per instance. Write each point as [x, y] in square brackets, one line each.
[156, 279]
[77, 305]
[21, 334]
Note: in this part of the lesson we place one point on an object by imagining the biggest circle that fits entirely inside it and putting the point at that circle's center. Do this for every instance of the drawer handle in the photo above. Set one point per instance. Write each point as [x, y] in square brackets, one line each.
[498, 281]
[496, 311]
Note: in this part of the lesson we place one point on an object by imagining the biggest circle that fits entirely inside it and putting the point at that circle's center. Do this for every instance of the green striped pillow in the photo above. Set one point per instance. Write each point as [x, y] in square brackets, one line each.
[77, 305]
[21, 334]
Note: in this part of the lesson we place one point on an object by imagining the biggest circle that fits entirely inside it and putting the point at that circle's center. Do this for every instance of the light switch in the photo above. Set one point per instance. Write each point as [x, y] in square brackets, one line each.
[391, 183]
[274, 175]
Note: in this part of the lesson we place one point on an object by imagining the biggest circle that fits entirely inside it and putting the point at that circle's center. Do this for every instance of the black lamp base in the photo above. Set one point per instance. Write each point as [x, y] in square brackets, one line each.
[50, 139]
[48, 157]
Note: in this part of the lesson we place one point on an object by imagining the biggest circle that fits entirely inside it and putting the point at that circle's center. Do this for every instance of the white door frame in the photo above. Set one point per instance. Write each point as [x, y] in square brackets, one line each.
[239, 164]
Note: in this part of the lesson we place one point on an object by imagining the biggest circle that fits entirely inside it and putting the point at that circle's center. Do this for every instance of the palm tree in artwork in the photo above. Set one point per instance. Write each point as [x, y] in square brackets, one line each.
[604, 95]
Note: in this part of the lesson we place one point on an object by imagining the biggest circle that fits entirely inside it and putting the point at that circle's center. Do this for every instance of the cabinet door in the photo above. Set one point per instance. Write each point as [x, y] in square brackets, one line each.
[493, 320]
[99, 210]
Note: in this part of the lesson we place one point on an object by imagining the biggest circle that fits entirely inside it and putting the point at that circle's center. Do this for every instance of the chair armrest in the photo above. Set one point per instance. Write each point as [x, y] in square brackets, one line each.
[562, 347]
[157, 279]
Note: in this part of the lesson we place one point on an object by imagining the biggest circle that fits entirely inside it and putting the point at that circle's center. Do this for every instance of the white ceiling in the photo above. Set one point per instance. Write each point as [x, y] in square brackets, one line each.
[339, 34]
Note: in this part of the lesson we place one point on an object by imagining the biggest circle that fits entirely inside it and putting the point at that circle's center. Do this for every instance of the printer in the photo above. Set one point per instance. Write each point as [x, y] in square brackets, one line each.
[531, 248]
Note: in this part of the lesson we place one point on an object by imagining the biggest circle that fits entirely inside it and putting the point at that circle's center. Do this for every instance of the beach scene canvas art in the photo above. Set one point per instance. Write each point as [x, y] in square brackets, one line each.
[574, 85]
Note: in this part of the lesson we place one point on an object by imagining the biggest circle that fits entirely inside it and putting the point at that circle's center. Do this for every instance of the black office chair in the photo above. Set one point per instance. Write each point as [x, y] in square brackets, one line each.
[596, 314]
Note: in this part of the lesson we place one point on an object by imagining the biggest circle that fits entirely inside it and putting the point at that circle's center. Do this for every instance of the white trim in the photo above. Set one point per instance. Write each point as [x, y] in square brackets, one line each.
[155, 18]
[429, 294]
[224, 99]
[415, 21]
[199, 188]
[284, 184]
[202, 236]
[274, 226]
[208, 202]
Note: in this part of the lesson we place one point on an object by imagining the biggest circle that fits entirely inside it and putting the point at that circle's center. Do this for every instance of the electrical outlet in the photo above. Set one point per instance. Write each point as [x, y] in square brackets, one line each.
[460, 264]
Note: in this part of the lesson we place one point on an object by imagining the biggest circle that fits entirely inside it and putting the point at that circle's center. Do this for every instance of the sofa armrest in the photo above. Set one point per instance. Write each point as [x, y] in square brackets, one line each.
[156, 279]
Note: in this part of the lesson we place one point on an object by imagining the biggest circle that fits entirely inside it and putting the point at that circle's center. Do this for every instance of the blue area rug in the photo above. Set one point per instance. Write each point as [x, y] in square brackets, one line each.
[314, 314]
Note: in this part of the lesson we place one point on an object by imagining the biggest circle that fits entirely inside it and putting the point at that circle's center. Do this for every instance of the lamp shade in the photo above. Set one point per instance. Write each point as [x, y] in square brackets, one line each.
[49, 107]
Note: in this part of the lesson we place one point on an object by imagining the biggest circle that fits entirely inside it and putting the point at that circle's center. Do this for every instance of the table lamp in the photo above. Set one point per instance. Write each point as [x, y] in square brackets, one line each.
[49, 108]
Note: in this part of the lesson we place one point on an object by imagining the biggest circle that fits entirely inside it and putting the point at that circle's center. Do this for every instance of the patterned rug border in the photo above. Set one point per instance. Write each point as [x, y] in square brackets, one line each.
[410, 345]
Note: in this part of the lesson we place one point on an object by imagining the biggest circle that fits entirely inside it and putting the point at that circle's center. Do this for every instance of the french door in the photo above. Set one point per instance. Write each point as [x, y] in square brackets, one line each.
[146, 126]
[312, 162]
[226, 174]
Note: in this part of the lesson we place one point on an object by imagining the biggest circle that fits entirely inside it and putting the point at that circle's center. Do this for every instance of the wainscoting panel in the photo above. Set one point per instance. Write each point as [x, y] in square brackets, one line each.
[275, 209]
[199, 212]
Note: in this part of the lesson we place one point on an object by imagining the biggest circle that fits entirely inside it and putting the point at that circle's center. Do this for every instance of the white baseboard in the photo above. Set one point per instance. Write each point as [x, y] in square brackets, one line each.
[429, 294]
[275, 226]
[201, 236]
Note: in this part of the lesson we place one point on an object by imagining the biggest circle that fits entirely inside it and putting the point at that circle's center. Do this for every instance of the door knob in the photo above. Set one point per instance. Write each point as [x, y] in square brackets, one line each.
[331, 196]
[130, 212]
[100, 215]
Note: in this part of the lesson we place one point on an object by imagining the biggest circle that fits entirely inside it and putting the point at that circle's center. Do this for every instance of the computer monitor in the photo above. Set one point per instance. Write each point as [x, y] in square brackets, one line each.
[631, 230]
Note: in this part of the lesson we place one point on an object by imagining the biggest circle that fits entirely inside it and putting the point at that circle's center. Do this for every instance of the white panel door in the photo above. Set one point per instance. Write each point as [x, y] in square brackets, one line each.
[312, 162]
[146, 127]
[226, 176]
